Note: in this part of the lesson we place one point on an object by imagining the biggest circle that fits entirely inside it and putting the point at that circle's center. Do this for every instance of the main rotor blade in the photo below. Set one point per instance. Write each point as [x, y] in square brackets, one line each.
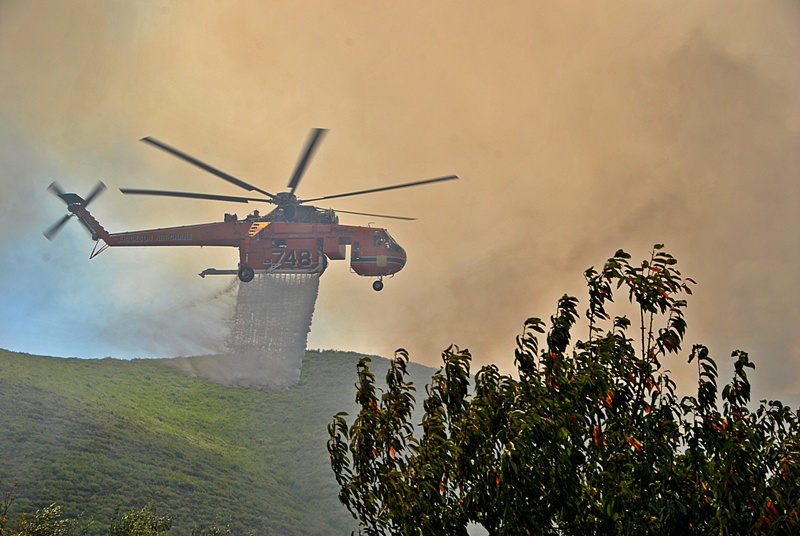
[311, 144]
[384, 188]
[193, 195]
[202, 165]
[53, 230]
[376, 215]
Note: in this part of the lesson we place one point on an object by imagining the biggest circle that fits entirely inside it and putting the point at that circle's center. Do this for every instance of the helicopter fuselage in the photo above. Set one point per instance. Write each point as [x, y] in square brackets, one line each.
[276, 247]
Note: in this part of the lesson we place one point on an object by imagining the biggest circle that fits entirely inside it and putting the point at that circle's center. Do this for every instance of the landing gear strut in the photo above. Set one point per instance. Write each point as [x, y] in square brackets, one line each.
[246, 274]
[377, 286]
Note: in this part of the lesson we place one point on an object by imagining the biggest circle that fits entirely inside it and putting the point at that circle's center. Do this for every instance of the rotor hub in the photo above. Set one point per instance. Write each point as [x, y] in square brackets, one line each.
[283, 199]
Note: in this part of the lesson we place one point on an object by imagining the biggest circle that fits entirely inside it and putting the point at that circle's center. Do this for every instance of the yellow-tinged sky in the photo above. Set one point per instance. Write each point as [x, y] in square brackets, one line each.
[577, 128]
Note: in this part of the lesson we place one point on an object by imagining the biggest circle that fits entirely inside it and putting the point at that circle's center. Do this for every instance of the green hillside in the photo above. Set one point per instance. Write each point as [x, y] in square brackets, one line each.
[94, 435]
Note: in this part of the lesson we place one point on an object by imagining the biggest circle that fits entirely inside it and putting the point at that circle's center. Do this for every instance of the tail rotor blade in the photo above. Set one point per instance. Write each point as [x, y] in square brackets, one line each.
[311, 145]
[97, 190]
[53, 230]
[56, 189]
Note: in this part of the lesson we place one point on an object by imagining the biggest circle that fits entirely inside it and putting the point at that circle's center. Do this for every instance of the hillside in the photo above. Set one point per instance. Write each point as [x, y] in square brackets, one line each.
[93, 435]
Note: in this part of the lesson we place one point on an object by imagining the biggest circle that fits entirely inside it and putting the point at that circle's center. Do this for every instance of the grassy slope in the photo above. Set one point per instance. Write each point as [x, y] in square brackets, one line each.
[92, 435]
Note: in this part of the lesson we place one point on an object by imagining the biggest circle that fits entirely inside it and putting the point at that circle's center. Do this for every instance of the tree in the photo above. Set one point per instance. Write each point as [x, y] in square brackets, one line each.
[143, 522]
[47, 521]
[50, 521]
[589, 437]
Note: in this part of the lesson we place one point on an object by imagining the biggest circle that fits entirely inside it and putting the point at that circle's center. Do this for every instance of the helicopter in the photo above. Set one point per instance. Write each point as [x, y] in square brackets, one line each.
[293, 238]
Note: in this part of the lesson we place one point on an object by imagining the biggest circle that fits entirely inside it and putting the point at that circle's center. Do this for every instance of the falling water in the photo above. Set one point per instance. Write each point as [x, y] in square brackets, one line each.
[273, 315]
[268, 335]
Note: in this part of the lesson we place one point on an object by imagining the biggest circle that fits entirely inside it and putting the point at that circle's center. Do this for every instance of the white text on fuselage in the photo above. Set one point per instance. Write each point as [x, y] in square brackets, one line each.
[139, 239]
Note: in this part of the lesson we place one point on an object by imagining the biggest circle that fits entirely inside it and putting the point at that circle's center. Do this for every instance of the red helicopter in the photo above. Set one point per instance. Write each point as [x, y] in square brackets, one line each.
[293, 238]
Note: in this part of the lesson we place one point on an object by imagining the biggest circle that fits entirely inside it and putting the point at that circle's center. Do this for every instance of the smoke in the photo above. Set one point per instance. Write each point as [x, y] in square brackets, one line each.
[576, 129]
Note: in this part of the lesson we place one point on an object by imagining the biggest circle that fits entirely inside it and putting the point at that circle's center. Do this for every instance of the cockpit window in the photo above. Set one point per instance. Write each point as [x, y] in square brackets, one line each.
[382, 238]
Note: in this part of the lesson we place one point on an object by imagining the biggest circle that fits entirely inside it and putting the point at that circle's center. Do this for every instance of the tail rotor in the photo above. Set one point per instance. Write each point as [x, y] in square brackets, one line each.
[72, 201]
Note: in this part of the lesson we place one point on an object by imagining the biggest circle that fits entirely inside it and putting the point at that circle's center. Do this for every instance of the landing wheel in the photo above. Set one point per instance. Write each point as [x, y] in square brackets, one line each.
[324, 262]
[377, 286]
[246, 274]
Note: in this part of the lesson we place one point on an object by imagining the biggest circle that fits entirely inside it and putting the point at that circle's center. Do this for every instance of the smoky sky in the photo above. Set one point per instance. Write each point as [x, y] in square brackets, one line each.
[576, 128]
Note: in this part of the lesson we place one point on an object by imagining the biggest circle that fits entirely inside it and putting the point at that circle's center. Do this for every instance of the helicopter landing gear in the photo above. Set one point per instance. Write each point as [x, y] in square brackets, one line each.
[246, 274]
[377, 286]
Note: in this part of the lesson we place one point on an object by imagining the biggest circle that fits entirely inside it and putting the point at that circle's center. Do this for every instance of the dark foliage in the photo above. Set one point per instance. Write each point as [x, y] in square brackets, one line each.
[589, 438]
